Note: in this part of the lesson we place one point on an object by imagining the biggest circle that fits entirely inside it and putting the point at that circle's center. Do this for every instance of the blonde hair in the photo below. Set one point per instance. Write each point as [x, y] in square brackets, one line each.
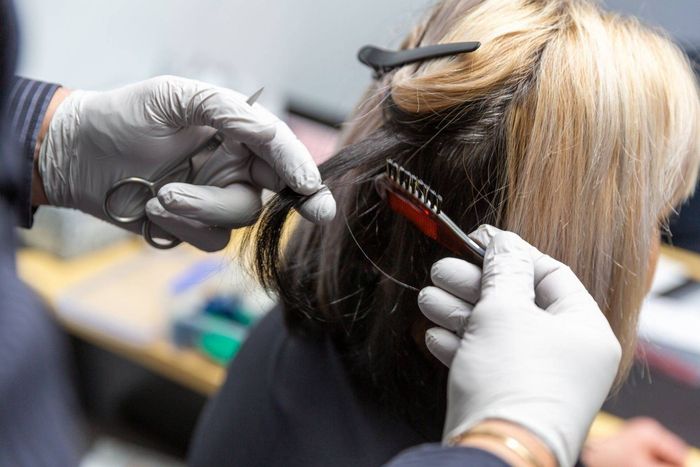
[573, 127]
[602, 138]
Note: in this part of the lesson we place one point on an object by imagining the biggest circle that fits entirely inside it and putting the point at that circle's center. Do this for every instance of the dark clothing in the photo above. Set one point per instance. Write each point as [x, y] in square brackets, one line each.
[38, 426]
[288, 401]
[38, 423]
[436, 455]
[28, 101]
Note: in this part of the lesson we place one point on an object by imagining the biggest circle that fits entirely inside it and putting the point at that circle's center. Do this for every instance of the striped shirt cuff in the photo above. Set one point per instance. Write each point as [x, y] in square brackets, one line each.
[27, 105]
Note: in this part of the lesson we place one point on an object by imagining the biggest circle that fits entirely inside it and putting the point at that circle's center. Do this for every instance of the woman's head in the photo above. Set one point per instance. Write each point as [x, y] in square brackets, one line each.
[575, 128]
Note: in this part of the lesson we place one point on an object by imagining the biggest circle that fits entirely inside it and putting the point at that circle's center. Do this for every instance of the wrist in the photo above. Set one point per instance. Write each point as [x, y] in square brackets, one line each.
[511, 442]
[38, 193]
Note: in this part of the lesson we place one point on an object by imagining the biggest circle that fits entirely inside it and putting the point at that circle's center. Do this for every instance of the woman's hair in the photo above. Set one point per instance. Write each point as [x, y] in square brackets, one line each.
[576, 128]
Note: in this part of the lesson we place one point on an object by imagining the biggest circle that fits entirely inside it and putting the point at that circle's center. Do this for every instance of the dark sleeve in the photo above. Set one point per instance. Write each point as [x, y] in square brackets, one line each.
[440, 456]
[26, 107]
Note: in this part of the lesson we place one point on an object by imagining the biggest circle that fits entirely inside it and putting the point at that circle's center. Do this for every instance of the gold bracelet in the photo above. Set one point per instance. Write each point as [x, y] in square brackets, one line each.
[511, 443]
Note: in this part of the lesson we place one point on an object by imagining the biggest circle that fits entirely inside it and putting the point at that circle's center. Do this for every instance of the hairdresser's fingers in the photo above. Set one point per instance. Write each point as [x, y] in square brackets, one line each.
[556, 286]
[458, 277]
[508, 270]
[318, 208]
[235, 163]
[233, 206]
[484, 234]
[197, 103]
[444, 309]
[262, 175]
[202, 236]
[287, 156]
[443, 344]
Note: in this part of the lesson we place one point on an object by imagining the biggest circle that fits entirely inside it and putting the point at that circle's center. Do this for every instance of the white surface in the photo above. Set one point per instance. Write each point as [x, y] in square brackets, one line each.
[302, 48]
[669, 275]
[673, 323]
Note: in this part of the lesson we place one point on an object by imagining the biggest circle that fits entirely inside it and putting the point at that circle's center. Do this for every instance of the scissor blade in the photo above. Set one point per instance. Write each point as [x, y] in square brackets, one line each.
[251, 100]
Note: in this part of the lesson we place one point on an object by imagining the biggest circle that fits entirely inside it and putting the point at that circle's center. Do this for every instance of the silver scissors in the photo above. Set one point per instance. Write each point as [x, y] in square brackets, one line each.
[153, 186]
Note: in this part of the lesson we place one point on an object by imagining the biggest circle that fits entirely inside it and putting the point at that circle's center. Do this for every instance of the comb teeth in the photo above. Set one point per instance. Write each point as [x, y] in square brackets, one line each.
[414, 186]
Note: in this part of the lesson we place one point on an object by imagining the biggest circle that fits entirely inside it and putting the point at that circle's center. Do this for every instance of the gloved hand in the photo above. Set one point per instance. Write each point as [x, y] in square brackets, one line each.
[147, 129]
[525, 342]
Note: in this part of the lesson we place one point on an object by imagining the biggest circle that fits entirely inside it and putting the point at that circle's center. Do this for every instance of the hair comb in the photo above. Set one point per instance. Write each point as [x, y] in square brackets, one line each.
[413, 199]
[382, 61]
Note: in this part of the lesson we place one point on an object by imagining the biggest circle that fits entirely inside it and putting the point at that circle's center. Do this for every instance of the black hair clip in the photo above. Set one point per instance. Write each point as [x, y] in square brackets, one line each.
[382, 61]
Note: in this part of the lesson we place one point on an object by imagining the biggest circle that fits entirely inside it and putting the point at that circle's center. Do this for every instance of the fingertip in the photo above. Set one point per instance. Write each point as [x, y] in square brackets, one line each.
[459, 277]
[305, 180]
[432, 336]
[430, 294]
[484, 234]
[441, 267]
[423, 295]
[442, 343]
[319, 208]
[444, 309]
[170, 195]
[426, 299]
[154, 208]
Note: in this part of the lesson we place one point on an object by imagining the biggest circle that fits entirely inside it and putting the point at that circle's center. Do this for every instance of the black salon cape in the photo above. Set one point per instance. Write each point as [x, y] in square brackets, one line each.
[287, 402]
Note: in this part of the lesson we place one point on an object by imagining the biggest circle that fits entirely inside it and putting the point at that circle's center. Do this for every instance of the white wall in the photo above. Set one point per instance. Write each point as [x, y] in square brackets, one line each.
[301, 48]
[305, 48]
[680, 17]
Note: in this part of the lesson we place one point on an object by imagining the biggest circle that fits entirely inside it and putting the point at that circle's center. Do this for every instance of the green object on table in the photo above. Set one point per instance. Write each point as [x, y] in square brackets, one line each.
[218, 347]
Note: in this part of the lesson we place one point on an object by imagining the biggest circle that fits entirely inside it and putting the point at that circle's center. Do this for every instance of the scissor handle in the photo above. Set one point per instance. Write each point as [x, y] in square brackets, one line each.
[116, 218]
[162, 244]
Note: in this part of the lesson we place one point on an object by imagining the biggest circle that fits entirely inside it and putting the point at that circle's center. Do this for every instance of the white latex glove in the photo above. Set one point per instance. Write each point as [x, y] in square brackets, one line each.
[534, 350]
[147, 129]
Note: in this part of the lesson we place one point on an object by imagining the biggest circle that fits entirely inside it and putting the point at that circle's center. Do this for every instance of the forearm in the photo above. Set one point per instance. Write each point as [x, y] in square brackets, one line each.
[38, 193]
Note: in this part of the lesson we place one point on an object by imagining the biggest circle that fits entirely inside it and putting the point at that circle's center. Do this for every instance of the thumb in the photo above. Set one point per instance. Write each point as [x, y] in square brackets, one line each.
[508, 269]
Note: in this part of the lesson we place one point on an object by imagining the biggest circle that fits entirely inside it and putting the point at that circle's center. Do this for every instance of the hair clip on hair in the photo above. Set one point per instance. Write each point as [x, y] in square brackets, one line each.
[383, 61]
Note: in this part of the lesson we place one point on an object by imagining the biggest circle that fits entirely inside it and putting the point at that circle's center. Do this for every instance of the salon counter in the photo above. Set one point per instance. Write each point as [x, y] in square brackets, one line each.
[49, 276]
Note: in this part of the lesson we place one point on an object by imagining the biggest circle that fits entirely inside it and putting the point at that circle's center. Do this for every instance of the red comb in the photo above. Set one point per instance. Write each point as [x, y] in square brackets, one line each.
[414, 200]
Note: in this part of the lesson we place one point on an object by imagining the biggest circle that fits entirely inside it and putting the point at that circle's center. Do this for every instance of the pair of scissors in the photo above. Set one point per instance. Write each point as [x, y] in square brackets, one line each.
[153, 186]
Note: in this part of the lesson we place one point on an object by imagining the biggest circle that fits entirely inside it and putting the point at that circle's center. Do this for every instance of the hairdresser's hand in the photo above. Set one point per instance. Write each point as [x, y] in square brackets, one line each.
[534, 350]
[146, 129]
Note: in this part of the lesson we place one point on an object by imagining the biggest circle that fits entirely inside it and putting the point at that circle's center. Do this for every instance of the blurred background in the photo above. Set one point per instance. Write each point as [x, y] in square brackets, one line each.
[303, 50]
[148, 352]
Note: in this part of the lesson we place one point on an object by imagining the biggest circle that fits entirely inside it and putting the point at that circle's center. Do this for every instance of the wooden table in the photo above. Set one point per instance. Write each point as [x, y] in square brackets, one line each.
[49, 276]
